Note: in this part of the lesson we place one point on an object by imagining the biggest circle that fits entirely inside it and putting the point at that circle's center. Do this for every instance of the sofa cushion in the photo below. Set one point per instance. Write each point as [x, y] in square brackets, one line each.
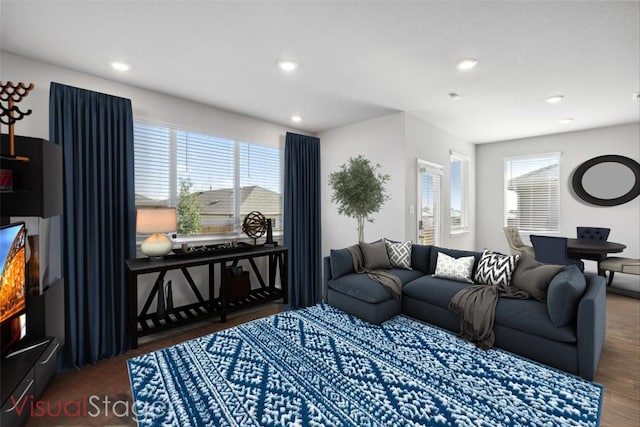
[495, 268]
[455, 253]
[563, 295]
[341, 262]
[406, 276]
[433, 290]
[530, 316]
[375, 256]
[460, 269]
[399, 254]
[420, 258]
[534, 277]
[361, 287]
[372, 313]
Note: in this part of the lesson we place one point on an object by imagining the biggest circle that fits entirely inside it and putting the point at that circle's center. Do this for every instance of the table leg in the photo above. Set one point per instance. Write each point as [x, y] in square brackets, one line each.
[132, 312]
[284, 277]
[212, 295]
[223, 292]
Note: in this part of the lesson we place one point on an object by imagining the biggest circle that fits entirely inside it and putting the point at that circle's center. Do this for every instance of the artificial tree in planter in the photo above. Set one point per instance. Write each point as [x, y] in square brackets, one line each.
[358, 190]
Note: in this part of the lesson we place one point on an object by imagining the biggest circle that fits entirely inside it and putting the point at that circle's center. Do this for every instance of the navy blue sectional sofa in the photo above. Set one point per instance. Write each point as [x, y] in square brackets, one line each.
[524, 327]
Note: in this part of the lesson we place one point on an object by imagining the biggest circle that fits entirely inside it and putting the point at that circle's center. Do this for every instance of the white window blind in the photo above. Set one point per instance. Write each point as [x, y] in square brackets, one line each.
[221, 179]
[459, 181]
[532, 192]
[151, 164]
[429, 203]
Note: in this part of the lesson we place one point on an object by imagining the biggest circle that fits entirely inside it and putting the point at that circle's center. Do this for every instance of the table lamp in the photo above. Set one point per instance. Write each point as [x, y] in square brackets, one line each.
[155, 221]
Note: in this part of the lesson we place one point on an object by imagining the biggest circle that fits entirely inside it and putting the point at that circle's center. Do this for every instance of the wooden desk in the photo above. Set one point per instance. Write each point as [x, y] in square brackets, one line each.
[579, 247]
[589, 246]
[146, 323]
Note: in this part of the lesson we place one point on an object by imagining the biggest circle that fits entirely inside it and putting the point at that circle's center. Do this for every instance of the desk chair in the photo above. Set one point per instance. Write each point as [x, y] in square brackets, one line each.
[620, 265]
[553, 250]
[516, 245]
[593, 233]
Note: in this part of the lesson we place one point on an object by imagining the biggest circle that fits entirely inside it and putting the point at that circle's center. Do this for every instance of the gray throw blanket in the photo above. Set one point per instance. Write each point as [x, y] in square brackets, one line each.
[476, 308]
[390, 281]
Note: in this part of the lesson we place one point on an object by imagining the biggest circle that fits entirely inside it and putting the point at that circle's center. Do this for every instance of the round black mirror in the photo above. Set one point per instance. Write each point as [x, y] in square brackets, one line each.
[607, 180]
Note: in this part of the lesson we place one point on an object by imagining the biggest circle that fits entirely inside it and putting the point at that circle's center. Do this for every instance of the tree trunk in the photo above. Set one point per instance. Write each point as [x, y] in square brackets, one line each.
[360, 229]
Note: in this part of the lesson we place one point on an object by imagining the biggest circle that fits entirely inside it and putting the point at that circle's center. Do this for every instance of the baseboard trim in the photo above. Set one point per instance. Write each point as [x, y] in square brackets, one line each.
[625, 292]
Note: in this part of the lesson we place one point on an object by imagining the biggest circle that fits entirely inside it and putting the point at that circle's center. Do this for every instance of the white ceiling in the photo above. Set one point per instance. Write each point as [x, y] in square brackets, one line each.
[358, 59]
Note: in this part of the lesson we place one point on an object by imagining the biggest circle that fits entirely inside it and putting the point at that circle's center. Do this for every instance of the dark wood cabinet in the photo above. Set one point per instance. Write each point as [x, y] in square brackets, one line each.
[26, 372]
[37, 183]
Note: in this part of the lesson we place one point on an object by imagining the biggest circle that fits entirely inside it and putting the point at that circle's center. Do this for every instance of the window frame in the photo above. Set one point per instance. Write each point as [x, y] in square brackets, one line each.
[463, 228]
[173, 184]
[536, 157]
[437, 171]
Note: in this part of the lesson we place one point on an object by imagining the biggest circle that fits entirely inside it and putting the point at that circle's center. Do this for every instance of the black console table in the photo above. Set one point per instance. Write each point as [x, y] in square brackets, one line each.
[147, 323]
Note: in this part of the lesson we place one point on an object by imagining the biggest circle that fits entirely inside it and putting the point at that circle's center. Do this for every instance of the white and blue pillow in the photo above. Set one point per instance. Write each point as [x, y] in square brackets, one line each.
[459, 269]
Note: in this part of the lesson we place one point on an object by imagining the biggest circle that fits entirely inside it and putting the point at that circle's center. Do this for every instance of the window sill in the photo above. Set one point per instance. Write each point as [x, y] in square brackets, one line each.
[206, 239]
[459, 231]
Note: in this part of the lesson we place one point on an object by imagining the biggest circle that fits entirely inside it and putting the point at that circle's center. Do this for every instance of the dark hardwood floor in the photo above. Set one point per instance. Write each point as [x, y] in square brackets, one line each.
[619, 372]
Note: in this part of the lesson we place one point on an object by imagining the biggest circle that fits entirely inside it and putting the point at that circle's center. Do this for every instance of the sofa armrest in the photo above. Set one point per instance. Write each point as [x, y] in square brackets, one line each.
[326, 262]
[591, 325]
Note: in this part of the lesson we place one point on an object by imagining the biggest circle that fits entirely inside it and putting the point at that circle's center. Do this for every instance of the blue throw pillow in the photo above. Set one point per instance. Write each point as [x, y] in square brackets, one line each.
[420, 258]
[341, 262]
[563, 296]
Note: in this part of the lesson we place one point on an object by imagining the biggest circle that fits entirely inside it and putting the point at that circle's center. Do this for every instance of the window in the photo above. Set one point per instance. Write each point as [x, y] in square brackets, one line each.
[214, 182]
[459, 181]
[429, 214]
[532, 192]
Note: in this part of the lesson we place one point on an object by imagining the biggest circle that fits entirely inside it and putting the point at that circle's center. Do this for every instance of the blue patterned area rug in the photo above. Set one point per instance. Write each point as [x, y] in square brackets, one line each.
[322, 367]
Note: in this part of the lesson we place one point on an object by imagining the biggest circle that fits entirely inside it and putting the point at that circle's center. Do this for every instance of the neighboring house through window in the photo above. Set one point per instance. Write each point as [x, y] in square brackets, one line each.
[459, 183]
[215, 182]
[532, 192]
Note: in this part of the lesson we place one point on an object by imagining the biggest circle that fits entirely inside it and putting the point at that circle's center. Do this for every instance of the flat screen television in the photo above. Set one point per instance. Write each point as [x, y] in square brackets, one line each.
[13, 285]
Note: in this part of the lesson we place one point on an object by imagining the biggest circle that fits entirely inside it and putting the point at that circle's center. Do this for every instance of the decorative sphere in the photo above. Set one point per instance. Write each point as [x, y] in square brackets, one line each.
[254, 225]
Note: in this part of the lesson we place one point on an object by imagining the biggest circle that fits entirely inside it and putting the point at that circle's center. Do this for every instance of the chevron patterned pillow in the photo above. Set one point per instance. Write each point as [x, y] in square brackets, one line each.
[399, 253]
[495, 268]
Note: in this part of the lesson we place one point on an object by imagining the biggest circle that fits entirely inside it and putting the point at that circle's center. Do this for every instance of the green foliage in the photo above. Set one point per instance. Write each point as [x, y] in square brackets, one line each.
[189, 210]
[358, 189]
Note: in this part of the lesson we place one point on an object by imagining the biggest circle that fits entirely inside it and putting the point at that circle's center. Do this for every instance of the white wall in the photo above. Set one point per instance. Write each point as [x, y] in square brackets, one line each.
[395, 142]
[576, 147]
[430, 143]
[147, 105]
[381, 141]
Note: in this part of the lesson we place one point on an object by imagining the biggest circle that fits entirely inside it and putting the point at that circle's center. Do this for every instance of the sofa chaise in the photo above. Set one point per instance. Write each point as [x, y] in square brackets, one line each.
[566, 331]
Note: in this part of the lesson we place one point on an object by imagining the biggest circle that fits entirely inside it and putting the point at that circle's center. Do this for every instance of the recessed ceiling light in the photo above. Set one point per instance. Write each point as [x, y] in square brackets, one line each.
[466, 64]
[454, 96]
[296, 119]
[554, 99]
[287, 65]
[120, 66]
[565, 121]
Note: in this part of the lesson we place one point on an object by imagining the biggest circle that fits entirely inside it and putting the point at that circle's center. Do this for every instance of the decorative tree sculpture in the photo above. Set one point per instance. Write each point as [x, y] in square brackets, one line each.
[358, 190]
[11, 94]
